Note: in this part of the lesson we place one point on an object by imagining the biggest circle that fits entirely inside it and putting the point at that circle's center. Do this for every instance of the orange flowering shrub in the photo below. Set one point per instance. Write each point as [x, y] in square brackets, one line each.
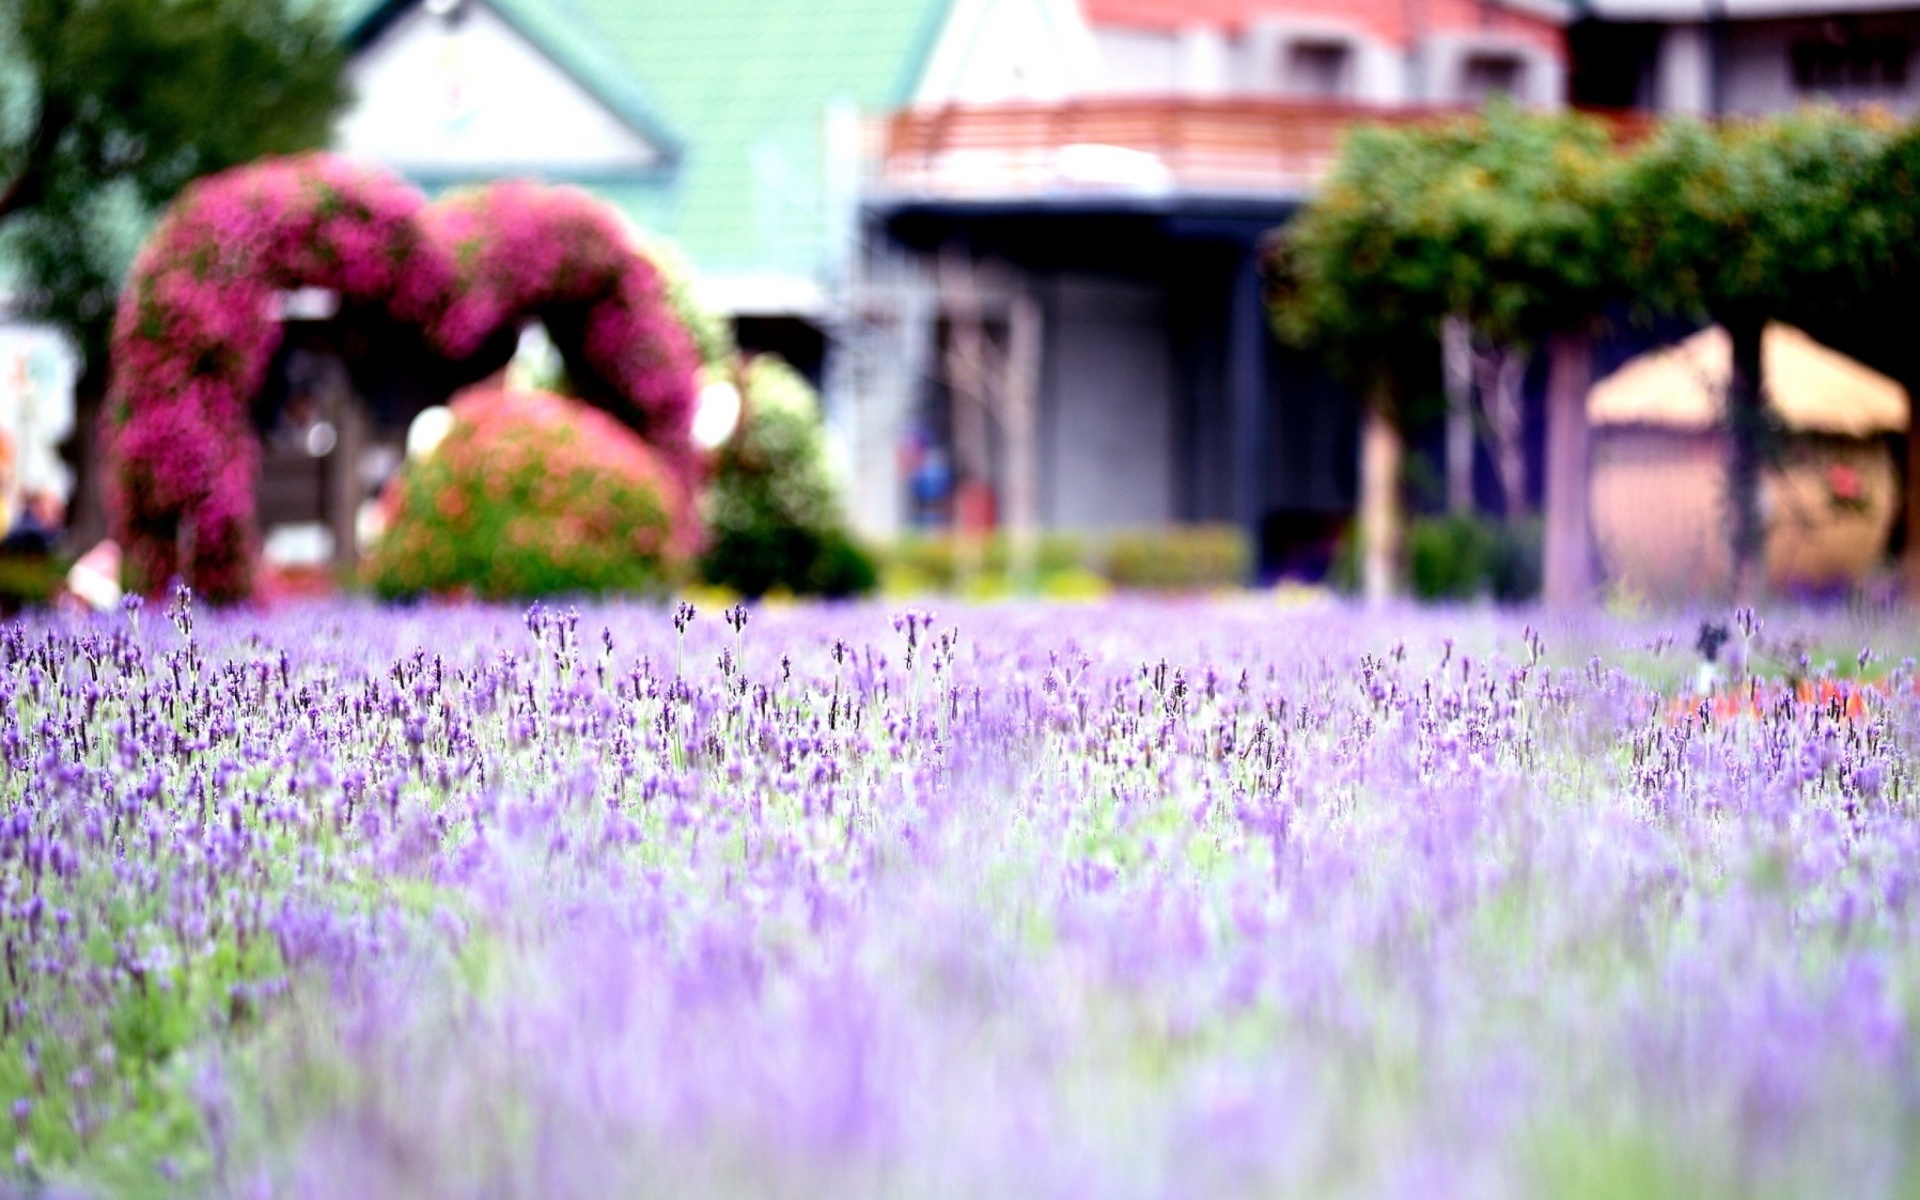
[532, 494]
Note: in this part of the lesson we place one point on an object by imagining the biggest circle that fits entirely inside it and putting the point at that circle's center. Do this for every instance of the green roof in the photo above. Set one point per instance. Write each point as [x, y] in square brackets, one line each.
[738, 92]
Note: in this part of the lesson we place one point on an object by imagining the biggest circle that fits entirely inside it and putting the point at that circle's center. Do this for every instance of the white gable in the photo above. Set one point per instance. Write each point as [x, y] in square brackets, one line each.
[992, 50]
[462, 93]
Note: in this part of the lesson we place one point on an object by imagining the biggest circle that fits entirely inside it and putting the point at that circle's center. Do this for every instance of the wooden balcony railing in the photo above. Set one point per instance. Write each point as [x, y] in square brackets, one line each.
[1123, 145]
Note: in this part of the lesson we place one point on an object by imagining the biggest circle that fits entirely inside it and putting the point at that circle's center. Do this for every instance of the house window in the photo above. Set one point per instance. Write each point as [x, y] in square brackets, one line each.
[1842, 62]
[1321, 70]
[1484, 76]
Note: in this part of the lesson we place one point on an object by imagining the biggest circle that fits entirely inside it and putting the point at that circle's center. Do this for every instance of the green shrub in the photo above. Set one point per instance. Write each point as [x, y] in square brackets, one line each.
[29, 581]
[936, 558]
[530, 495]
[1176, 558]
[1179, 558]
[1471, 557]
[772, 510]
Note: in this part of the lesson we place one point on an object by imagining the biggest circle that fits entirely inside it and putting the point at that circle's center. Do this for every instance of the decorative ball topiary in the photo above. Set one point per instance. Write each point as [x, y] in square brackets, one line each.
[773, 512]
[531, 494]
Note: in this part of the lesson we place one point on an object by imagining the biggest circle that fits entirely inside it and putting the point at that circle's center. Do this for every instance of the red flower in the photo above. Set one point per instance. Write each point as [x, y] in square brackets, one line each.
[195, 331]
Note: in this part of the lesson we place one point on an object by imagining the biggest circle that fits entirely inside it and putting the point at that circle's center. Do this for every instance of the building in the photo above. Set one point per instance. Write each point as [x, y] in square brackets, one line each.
[1016, 240]
[729, 127]
[1060, 316]
[1744, 57]
[1359, 51]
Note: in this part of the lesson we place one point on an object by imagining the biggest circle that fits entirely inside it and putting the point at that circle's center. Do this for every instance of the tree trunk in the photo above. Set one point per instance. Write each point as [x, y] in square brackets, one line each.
[1567, 577]
[1456, 367]
[1910, 556]
[1380, 452]
[1022, 400]
[1502, 373]
[87, 518]
[1747, 430]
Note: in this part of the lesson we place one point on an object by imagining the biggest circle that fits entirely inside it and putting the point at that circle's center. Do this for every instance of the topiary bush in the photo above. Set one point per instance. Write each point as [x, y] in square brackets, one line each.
[773, 512]
[1179, 558]
[1471, 557]
[532, 494]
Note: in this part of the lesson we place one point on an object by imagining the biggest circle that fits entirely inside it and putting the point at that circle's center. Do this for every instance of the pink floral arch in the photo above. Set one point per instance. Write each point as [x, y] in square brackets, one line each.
[197, 330]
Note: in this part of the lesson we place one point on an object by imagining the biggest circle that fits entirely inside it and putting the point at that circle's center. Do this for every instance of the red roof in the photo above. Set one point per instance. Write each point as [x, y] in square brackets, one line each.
[1385, 19]
[1175, 14]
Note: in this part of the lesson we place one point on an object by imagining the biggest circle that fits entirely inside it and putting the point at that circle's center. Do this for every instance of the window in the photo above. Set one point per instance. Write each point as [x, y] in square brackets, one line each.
[1484, 76]
[1844, 62]
[1319, 69]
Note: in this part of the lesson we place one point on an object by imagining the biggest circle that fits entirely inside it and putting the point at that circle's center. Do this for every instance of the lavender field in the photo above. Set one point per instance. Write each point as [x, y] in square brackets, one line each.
[1204, 899]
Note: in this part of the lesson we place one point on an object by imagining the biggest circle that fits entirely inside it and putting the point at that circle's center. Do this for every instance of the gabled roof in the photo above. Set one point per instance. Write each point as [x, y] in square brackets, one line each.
[743, 89]
[571, 47]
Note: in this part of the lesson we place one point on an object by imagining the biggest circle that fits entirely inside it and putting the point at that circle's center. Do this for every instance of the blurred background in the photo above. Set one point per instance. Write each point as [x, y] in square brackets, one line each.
[1024, 251]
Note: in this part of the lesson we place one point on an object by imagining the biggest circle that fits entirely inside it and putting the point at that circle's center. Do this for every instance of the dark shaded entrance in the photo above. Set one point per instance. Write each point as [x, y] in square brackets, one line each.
[1262, 437]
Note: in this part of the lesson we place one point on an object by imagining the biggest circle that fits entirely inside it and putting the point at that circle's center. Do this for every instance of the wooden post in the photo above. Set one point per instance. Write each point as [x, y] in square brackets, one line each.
[1910, 557]
[967, 374]
[1456, 369]
[1021, 425]
[1747, 427]
[1568, 580]
[1380, 453]
[343, 482]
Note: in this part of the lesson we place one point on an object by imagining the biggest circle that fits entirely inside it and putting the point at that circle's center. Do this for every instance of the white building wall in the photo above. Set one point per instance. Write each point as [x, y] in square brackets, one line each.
[1203, 53]
[1760, 74]
[1377, 70]
[1138, 62]
[1108, 405]
[1683, 67]
[1542, 81]
[996, 50]
[467, 95]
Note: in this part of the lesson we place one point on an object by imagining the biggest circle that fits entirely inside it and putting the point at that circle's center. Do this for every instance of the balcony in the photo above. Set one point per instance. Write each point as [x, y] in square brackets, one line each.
[1123, 146]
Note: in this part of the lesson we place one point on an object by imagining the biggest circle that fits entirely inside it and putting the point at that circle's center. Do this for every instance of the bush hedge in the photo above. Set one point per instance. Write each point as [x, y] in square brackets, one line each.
[1173, 559]
[531, 495]
[772, 509]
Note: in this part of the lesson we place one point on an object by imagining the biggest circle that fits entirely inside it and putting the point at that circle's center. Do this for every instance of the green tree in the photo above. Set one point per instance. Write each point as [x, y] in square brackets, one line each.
[1872, 314]
[1527, 211]
[112, 106]
[1505, 219]
[1742, 223]
[109, 107]
[772, 508]
[1358, 276]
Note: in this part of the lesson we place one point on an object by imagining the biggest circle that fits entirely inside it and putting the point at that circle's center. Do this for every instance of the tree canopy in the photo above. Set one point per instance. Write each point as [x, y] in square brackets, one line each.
[1530, 225]
[1750, 216]
[109, 107]
[1504, 218]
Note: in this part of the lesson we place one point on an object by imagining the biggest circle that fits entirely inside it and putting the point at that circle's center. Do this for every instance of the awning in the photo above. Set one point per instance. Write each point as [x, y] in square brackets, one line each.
[1813, 389]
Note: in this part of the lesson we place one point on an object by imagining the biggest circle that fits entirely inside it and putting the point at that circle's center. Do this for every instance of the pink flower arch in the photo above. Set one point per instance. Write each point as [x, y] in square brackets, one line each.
[196, 330]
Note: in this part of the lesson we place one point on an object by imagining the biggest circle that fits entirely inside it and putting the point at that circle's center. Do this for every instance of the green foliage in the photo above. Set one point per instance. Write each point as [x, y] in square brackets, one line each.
[528, 495]
[1752, 217]
[1471, 558]
[1176, 558]
[1353, 275]
[109, 107]
[1179, 559]
[1504, 217]
[773, 512]
[711, 332]
[29, 580]
[937, 561]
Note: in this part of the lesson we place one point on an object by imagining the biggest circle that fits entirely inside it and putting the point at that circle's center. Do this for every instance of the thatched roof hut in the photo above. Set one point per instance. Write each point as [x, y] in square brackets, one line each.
[1660, 453]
